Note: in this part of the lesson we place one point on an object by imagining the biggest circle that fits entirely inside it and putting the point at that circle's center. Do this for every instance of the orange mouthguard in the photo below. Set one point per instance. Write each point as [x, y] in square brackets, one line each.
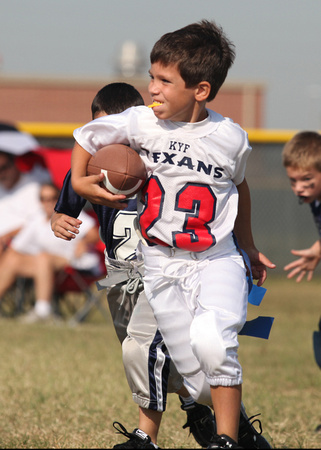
[154, 104]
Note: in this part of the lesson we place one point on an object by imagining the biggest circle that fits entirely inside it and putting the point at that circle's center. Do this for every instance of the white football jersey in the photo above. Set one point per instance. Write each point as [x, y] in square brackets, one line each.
[190, 200]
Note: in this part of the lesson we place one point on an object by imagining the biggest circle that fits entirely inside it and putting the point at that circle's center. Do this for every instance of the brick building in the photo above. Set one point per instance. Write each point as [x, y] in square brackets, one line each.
[68, 101]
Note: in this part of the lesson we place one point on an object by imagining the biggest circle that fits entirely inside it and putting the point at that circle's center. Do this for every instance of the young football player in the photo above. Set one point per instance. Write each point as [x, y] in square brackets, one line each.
[196, 195]
[144, 353]
[301, 158]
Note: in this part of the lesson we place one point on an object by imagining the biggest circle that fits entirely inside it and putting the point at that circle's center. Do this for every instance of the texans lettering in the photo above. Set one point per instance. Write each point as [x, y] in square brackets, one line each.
[199, 166]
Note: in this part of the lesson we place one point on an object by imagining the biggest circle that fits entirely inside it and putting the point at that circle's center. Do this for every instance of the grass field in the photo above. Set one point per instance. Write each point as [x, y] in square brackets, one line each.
[62, 387]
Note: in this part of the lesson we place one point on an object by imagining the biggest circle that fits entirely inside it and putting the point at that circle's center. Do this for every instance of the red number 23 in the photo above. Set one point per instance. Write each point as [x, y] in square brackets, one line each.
[196, 200]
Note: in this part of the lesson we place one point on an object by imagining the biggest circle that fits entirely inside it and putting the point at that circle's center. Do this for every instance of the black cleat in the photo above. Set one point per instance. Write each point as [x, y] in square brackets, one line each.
[249, 437]
[200, 421]
[137, 439]
[223, 441]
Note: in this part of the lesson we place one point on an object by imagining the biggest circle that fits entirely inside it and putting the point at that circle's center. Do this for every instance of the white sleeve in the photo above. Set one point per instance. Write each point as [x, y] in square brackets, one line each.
[112, 129]
[241, 160]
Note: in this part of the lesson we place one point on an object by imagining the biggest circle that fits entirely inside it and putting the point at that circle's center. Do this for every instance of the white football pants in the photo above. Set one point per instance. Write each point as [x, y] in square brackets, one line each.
[200, 304]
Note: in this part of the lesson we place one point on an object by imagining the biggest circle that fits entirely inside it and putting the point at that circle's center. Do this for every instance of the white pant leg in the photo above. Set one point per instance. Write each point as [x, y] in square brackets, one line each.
[150, 372]
[121, 305]
[174, 320]
[175, 309]
[219, 316]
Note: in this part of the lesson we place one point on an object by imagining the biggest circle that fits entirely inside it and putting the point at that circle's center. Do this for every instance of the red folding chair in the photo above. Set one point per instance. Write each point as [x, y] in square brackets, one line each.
[71, 280]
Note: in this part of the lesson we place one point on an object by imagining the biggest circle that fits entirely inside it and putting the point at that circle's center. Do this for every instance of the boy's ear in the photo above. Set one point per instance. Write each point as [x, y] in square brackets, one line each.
[203, 90]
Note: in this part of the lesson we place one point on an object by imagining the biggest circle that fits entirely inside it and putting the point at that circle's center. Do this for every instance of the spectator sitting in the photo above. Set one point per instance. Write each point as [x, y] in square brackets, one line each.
[36, 253]
[19, 192]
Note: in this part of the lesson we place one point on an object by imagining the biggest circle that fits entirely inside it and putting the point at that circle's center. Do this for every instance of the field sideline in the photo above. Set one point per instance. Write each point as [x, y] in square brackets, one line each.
[62, 387]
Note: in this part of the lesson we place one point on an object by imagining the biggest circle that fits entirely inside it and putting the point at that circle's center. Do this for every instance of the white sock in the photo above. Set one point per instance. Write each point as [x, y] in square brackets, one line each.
[42, 308]
[143, 435]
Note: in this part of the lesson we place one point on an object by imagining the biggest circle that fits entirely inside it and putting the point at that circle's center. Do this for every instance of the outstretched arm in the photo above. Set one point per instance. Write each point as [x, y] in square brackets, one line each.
[243, 233]
[306, 264]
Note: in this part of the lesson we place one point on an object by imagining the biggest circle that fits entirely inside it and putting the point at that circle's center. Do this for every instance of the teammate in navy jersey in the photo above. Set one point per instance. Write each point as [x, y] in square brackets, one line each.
[143, 351]
[301, 158]
[195, 197]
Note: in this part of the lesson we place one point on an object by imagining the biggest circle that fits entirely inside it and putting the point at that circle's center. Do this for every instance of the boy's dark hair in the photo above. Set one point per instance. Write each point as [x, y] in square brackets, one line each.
[115, 98]
[303, 151]
[201, 51]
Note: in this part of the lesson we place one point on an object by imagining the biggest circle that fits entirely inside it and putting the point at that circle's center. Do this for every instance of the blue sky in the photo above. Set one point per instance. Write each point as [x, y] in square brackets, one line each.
[278, 43]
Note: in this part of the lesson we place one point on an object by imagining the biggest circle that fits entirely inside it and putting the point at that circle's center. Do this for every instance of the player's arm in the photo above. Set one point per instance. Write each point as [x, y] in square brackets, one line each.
[243, 233]
[64, 222]
[64, 226]
[89, 187]
[306, 264]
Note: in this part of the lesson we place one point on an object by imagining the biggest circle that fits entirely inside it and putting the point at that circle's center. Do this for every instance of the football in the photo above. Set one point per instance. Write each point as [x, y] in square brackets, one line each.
[124, 170]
